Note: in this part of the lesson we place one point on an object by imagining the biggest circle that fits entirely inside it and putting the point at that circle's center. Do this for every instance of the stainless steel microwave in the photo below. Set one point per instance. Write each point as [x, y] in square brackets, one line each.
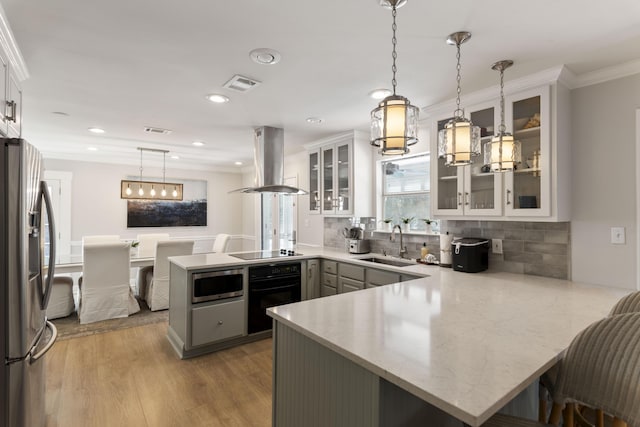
[216, 285]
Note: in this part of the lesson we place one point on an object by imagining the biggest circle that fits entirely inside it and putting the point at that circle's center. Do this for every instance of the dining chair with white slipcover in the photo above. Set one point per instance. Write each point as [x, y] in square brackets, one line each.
[104, 285]
[157, 289]
[221, 243]
[147, 249]
[101, 238]
[61, 302]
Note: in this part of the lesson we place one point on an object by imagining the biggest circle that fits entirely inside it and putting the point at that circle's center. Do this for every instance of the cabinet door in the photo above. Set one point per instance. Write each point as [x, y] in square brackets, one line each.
[448, 187]
[343, 178]
[313, 278]
[4, 77]
[483, 190]
[325, 291]
[13, 113]
[381, 277]
[327, 180]
[349, 285]
[528, 188]
[314, 182]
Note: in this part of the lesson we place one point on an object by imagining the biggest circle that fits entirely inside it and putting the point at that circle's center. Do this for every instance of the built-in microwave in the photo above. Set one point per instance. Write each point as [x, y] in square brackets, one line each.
[216, 285]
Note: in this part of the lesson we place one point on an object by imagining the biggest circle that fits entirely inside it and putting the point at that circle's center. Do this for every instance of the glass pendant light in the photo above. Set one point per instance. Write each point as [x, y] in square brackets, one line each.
[503, 152]
[394, 123]
[459, 141]
[146, 190]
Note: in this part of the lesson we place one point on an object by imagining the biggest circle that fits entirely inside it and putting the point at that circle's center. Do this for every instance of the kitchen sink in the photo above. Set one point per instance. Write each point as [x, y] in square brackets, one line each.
[388, 261]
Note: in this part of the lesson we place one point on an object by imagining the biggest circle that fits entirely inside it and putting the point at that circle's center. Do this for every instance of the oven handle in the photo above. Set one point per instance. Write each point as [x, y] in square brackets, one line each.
[275, 288]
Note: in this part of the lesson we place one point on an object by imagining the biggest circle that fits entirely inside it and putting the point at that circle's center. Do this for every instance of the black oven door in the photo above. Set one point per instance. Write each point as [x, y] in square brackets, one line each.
[269, 293]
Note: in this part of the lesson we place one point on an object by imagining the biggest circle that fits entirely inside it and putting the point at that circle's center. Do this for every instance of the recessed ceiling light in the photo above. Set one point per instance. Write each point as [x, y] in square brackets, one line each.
[238, 163]
[314, 120]
[96, 130]
[217, 98]
[379, 93]
[265, 56]
[60, 113]
[92, 148]
[198, 143]
[175, 157]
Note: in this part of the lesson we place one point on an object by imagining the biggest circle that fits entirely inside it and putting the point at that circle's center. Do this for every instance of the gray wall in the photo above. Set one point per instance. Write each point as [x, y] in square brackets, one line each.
[604, 181]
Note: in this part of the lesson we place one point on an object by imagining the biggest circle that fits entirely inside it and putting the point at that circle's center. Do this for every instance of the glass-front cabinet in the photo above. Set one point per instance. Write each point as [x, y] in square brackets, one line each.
[527, 188]
[336, 178]
[537, 189]
[314, 181]
[467, 190]
[342, 187]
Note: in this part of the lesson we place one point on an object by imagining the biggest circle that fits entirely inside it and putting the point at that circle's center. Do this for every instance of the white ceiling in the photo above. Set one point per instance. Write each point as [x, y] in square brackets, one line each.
[126, 64]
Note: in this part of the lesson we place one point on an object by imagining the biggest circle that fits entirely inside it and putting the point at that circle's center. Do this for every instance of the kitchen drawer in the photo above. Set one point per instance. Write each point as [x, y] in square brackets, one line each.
[352, 272]
[330, 267]
[381, 277]
[329, 280]
[217, 322]
[327, 290]
[349, 285]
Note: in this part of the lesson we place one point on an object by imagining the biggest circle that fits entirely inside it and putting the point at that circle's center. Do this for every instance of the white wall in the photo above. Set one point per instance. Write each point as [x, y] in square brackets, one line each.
[96, 207]
[604, 189]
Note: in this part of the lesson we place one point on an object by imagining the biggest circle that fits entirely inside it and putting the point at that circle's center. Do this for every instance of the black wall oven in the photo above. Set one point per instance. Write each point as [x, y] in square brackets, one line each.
[271, 285]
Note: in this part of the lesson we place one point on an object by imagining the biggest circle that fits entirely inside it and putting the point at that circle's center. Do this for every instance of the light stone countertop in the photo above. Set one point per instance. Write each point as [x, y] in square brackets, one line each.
[465, 343]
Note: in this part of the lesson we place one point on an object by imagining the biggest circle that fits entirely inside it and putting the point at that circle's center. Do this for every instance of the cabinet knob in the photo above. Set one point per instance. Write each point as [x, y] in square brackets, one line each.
[220, 322]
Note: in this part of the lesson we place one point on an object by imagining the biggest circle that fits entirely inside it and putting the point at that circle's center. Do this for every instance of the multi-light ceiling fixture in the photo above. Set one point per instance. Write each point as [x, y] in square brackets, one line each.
[459, 141]
[148, 190]
[503, 152]
[394, 123]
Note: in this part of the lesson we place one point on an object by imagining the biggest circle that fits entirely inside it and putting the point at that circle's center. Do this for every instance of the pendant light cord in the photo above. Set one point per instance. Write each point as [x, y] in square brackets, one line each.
[394, 55]
[140, 165]
[164, 167]
[458, 112]
[502, 128]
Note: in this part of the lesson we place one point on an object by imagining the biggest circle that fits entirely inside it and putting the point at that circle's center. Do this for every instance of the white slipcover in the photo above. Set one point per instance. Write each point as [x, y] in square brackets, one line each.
[61, 302]
[146, 248]
[102, 238]
[157, 294]
[104, 286]
[221, 243]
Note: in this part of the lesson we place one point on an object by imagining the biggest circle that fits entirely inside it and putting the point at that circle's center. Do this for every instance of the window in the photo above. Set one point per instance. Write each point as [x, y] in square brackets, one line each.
[406, 190]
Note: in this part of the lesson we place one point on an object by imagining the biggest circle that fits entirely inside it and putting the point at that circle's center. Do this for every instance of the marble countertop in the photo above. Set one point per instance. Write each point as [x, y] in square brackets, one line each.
[465, 343]
[222, 260]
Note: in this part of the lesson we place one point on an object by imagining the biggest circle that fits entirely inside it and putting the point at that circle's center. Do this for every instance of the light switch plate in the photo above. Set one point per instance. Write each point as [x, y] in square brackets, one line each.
[618, 236]
[496, 246]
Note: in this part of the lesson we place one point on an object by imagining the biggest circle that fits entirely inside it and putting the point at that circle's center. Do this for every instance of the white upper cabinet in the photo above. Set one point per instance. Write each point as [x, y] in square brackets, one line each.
[340, 176]
[537, 114]
[13, 70]
[13, 105]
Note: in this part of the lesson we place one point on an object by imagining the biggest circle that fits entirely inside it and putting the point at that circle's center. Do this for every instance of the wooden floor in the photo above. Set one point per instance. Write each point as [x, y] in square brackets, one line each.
[132, 377]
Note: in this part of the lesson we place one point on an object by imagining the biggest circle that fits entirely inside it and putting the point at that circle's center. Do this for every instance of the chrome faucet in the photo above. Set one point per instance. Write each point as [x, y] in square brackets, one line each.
[403, 249]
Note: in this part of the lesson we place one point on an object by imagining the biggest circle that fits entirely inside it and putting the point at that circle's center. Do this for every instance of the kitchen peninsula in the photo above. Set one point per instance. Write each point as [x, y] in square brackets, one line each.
[441, 350]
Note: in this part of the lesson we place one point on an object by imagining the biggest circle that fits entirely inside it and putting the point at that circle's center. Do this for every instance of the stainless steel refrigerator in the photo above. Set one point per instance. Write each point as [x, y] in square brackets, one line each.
[27, 243]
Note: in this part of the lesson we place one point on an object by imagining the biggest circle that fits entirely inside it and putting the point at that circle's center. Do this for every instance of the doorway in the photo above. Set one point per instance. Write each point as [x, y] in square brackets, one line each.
[279, 219]
[59, 184]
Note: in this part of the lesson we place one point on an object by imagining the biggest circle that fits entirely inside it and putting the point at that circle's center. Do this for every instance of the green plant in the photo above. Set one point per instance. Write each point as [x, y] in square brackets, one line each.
[428, 221]
[407, 220]
[386, 220]
[134, 243]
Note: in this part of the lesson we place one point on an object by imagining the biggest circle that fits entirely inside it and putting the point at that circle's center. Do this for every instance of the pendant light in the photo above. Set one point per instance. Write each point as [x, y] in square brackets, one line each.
[146, 190]
[459, 141]
[503, 152]
[394, 123]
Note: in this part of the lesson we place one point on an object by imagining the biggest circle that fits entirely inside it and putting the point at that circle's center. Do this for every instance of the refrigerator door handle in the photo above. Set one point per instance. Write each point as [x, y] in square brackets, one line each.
[44, 195]
[54, 336]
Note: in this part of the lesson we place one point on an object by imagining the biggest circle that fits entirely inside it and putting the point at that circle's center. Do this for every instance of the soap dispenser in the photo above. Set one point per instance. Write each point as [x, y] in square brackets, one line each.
[424, 251]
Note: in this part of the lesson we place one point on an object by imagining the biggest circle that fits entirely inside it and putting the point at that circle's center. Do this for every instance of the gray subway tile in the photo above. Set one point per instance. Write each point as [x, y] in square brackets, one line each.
[514, 234]
[525, 257]
[512, 246]
[553, 236]
[545, 248]
[534, 235]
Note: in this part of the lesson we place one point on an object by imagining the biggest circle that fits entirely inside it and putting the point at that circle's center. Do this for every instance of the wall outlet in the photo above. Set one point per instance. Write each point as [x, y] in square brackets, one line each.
[496, 246]
[618, 236]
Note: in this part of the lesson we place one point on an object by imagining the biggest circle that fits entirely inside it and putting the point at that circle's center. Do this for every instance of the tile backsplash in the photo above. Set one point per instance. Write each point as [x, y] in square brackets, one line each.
[537, 248]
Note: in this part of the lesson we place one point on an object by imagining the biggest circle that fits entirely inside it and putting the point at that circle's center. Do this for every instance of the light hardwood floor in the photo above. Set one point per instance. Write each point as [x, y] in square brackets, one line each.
[132, 377]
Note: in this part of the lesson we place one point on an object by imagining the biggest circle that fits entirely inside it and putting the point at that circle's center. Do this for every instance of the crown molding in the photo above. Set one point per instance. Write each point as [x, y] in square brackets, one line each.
[605, 74]
[10, 47]
[331, 139]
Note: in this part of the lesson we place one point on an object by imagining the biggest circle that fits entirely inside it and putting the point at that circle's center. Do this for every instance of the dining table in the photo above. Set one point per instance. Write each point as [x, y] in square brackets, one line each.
[68, 263]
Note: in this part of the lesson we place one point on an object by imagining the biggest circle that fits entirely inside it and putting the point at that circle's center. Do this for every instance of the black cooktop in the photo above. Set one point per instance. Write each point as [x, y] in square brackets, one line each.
[266, 254]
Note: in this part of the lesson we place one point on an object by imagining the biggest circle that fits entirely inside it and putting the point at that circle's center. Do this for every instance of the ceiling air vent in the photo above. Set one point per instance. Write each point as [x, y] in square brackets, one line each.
[240, 83]
[158, 131]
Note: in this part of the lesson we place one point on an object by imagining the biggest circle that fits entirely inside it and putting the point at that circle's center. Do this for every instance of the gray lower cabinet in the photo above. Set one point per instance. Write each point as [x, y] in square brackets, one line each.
[349, 285]
[329, 281]
[313, 278]
[406, 277]
[381, 277]
[217, 322]
[350, 278]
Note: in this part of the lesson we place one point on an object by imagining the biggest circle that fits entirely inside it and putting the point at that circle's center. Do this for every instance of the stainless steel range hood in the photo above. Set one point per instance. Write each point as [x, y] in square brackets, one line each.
[268, 158]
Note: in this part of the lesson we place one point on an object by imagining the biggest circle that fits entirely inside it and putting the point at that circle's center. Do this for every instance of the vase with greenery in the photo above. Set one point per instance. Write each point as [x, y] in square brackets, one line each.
[386, 224]
[406, 223]
[428, 225]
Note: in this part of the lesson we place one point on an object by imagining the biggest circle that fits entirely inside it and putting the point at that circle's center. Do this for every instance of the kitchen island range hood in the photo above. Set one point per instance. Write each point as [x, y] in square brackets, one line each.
[269, 163]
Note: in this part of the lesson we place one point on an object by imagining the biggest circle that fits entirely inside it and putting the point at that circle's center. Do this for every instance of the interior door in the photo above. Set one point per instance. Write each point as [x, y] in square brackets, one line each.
[279, 219]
